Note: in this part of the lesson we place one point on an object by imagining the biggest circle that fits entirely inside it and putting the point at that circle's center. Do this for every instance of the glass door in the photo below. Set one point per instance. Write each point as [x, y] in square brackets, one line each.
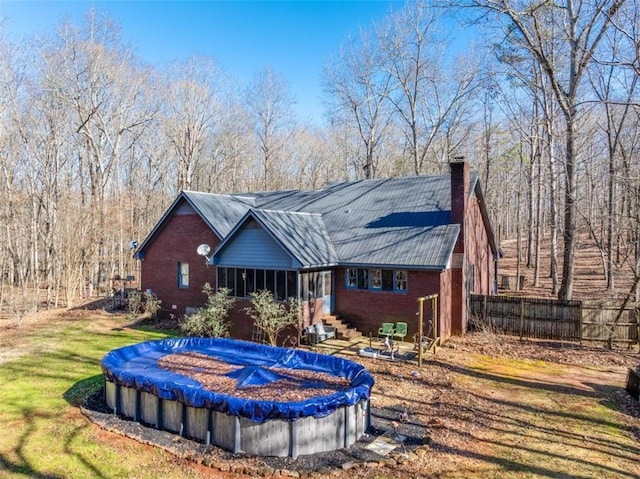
[326, 280]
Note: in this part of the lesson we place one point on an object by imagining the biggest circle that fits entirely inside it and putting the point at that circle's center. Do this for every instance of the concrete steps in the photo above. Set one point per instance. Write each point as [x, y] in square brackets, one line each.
[343, 330]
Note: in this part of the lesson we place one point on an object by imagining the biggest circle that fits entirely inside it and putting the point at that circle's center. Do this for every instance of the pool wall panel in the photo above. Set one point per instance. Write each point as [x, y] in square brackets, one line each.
[270, 438]
[128, 401]
[172, 416]
[277, 437]
[197, 423]
[149, 405]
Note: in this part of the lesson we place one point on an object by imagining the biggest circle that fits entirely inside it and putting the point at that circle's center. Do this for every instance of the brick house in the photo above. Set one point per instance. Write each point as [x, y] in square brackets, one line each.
[362, 251]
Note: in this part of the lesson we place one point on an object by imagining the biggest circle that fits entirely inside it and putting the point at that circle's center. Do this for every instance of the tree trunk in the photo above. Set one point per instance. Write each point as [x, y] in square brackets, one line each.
[569, 234]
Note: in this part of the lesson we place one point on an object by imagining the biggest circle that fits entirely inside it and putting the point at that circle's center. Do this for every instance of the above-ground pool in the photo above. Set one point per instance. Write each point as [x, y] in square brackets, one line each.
[242, 396]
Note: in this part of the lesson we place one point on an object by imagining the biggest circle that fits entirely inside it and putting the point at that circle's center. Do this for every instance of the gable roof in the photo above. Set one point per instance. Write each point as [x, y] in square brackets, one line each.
[302, 235]
[386, 222]
[220, 212]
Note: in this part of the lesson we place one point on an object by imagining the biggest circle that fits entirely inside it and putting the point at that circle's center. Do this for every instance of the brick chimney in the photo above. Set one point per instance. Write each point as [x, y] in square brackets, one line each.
[459, 197]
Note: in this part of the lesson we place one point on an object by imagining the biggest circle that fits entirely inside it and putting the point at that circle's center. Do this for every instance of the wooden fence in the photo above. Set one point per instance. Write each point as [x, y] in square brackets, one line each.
[554, 319]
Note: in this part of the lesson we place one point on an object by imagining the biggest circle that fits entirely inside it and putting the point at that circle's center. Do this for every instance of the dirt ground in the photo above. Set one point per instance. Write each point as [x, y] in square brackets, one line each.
[589, 280]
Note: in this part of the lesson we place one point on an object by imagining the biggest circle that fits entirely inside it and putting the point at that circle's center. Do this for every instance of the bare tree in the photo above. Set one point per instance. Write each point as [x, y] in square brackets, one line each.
[270, 103]
[426, 97]
[89, 70]
[580, 26]
[192, 107]
[357, 87]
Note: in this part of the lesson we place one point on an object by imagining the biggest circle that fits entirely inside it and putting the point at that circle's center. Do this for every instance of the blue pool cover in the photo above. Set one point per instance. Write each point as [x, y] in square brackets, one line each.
[136, 366]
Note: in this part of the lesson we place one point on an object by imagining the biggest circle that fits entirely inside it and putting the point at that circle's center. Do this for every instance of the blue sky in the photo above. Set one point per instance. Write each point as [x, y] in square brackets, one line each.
[294, 37]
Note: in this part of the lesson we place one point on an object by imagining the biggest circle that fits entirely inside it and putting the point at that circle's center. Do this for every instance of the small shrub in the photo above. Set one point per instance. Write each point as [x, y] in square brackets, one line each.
[140, 302]
[152, 304]
[480, 325]
[210, 320]
[136, 304]
[271, 317]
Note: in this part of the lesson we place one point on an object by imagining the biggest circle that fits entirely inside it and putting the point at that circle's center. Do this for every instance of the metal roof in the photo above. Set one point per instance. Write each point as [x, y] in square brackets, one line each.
[386, 222]
[221, 212]
[397, 221]
[302, 235]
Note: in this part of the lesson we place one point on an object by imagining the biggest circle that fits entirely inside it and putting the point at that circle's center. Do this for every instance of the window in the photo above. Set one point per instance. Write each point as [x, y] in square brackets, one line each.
[269, 283]
[227, 279]
[250, 277]
[352, 275]
[387, 280]
[292, 285]
[401, 281]
[241, 282]
[363, 279]
[260, 280]
[315, 285]
[304, 287]
[376, 279]
[281, 285]
[183, 275]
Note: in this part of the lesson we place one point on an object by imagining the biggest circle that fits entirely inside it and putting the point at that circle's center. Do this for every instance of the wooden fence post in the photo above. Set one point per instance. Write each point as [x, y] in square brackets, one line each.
[484, 309]
[580, 318]
[638, 327]
[521, 317]
[420, 332]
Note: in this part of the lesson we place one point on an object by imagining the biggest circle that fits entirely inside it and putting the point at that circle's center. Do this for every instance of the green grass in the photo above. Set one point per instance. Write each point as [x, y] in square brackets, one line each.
[43, 434]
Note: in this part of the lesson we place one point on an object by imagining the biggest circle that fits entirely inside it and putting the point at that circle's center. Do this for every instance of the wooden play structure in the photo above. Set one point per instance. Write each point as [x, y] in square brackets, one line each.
[427, 337]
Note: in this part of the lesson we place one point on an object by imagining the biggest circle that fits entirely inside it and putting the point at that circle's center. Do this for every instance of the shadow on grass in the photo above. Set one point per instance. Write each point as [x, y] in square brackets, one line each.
[23, 469]
[84, 388]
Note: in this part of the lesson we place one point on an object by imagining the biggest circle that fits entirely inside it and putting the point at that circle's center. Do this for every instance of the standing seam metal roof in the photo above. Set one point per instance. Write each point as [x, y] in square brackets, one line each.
[393, 222]
[303, 235]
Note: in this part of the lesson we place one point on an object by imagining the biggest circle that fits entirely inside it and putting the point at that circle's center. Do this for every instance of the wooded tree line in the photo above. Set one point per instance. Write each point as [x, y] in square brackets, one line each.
[94, 144]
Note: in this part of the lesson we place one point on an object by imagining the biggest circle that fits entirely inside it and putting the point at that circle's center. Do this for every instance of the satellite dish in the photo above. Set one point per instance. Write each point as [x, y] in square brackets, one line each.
[133, 244]
[204, 250]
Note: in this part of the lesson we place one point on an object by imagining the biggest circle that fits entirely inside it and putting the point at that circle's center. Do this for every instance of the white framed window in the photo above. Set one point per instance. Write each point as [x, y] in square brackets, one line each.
[183, 275]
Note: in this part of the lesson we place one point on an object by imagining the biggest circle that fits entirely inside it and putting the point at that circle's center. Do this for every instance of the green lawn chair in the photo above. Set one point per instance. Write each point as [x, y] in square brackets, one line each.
[385, 330]
[400, 331]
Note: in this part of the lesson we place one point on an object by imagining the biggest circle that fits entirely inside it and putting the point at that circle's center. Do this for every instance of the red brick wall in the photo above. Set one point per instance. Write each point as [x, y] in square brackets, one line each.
[366, 309]
[240, 324]
[177, 242]
[479, 251]
[444, 305]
